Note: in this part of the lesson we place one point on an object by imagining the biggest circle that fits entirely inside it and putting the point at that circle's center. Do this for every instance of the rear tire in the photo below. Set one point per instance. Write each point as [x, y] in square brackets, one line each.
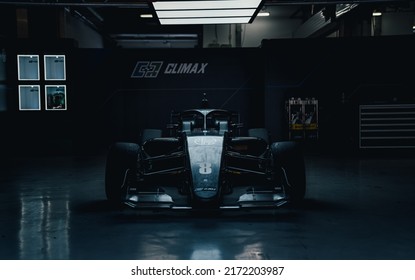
[289, 156]
[121, 157]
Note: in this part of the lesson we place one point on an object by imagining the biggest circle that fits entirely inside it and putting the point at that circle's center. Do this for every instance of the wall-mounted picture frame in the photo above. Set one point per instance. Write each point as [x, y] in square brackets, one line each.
[55, 67]
[28, 67]
[55, 97]
[29, 97]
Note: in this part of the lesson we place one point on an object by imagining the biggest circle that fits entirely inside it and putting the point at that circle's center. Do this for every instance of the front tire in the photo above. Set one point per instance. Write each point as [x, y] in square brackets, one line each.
[289, 156]
[121, 157]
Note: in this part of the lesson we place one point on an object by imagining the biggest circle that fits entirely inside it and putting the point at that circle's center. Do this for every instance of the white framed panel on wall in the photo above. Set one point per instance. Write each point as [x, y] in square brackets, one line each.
[28, 67]
[55, 97]
[29, 97]
[55, 67]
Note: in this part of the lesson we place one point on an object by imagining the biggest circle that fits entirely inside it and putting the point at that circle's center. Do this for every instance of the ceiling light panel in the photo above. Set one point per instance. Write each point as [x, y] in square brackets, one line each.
[205, 5]
[206, 12]
[182, 21]
[263, 14]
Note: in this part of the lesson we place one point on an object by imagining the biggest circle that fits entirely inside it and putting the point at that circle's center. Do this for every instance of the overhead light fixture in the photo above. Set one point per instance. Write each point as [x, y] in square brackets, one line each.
[263, 14]
[376, 14]
[206, 11]
[146, 16]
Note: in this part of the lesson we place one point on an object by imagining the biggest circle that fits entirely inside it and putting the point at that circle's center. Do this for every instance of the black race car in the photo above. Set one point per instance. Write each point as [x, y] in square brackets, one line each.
[205, 164]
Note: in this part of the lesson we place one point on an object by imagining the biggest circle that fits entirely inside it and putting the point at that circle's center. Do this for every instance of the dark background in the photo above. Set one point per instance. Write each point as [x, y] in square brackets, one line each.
[105, 104]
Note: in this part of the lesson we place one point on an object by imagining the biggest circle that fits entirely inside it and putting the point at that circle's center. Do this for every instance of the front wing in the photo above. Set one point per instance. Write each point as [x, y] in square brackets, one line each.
[172, 197]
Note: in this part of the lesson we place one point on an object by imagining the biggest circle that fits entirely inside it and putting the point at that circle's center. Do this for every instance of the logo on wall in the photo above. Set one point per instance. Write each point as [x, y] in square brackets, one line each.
[147, 69]
[151, 69]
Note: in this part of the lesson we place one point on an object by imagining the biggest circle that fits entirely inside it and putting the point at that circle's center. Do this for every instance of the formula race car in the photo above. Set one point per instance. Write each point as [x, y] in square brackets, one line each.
[205, 164]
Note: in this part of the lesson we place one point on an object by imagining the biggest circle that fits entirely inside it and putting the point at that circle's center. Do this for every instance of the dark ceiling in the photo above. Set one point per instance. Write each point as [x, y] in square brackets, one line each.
[121, 19]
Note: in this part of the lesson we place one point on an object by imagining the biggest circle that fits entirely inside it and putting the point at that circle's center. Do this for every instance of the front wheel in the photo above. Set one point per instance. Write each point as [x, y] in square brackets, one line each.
[121, 158]
[289, 156]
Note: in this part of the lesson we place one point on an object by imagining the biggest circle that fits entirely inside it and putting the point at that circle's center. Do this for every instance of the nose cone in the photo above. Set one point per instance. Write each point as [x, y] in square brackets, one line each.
[205, 154]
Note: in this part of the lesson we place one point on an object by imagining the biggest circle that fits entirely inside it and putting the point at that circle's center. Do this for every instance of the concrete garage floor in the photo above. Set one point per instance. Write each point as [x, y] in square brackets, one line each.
[55, 208]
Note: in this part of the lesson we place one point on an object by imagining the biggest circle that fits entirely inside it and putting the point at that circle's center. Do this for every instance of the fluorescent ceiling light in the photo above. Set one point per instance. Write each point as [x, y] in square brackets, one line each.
[263, 14]
[146, 16]
[205, 5]
[205, 20]
[376, 14]
[206, 12]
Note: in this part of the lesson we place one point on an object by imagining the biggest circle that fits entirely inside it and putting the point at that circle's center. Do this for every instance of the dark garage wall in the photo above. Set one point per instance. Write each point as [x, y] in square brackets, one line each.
[232, 79]
[342, 73]
[106, 104]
